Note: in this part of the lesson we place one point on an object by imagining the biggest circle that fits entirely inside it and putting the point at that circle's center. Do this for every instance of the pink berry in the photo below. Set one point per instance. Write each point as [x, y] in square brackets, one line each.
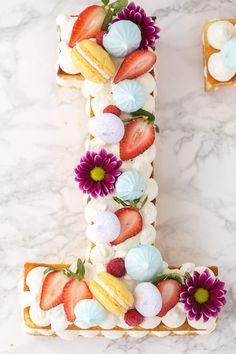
[99, 37]
[116, 267]
[112, 109]
[133, 317]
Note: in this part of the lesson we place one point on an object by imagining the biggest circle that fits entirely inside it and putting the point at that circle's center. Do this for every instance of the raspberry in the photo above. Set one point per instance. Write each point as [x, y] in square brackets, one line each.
[133, 317]
[112, 109]
[116, 267]
[99, 37]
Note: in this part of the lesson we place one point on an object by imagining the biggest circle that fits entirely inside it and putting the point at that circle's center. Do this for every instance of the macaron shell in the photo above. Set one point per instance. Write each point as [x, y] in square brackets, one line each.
[86, 69]
[98, 56]
[107, 300]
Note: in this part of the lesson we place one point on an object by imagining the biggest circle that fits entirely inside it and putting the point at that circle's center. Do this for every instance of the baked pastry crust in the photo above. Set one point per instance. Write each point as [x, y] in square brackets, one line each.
[209, 82]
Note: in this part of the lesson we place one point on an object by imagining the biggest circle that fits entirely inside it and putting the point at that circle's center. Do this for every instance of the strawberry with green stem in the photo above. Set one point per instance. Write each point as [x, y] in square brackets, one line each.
[62, 286]
[95, 19]
[140, 132]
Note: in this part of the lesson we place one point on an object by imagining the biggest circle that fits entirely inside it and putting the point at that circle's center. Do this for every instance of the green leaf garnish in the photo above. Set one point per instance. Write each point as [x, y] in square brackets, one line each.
[119, 5]
[111, 10]
[79, 274]
[146, 115]
[137, 203]
[143, 113]
[107, 19]
[174, 276]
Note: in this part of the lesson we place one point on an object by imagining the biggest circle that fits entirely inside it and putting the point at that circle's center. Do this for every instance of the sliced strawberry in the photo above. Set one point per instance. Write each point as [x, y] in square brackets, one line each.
[88, 24]
[139, 136]
[131, 223]
[74, 291]
[135, 64]
[52, 289]
[170, 291]
[99, 37]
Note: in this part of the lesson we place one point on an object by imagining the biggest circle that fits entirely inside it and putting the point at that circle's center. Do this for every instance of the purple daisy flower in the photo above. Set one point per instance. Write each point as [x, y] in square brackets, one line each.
[97, 173]
[203, 296]
[147, 26]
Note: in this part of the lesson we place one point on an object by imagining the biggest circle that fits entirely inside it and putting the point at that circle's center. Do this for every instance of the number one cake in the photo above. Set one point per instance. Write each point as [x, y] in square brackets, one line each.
[122, 287]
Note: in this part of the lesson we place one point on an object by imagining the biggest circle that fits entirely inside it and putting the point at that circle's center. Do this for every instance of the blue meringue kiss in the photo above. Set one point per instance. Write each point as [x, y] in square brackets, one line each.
[123, 38]
[129, 95]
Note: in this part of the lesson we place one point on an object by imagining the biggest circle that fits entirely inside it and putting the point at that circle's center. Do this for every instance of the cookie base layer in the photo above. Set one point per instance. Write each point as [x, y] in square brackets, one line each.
[160, 331]
[209, 82]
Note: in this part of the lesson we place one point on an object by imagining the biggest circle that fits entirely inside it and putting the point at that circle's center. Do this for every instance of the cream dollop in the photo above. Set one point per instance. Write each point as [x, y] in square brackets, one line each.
[65, 60]
[219, 32]
[101, 254]
[218, 70]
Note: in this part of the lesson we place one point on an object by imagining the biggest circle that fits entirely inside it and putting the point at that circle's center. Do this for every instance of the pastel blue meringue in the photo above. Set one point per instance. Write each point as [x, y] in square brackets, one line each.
[123, 38]
[130, 185]
[228, 53]
[129, 95]
[143, 262]
[89, 313]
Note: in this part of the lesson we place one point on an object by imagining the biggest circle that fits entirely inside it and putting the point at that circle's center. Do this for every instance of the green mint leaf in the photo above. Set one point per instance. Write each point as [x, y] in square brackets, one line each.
[107, 19]
[105, 2]
[120, 201]
[80, 271]
[144, 201]
[66, 271]
[119, 5]
[143, 113]
[162, 277]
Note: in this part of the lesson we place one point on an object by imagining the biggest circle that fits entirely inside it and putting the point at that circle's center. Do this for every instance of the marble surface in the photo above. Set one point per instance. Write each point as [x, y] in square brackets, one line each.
[41, 138]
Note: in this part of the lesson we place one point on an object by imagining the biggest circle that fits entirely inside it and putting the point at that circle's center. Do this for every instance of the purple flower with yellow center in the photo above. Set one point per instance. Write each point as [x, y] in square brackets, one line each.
[148, 28]
[97, 173]
[203, 296]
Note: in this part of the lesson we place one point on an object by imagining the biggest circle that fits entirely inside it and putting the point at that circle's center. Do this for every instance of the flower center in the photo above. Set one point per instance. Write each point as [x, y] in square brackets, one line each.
[201, 296]
[97, 174]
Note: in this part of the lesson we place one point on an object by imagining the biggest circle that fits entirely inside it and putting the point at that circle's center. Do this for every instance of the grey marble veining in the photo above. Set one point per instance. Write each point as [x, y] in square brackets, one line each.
[41, 138]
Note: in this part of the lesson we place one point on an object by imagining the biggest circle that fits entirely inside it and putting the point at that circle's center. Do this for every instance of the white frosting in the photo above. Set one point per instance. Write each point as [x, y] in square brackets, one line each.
[65, 60]
[102, 254]
[101, 101]
[39, 317]
[218, 70]
[219, 32]
[149, 104]
[34, 278]
[150, 322]
[65, 24]
[148, 82]
[149, 213]
[175, 317]
[109, 322]
[93, 64]
[92, 89]
[211, 323]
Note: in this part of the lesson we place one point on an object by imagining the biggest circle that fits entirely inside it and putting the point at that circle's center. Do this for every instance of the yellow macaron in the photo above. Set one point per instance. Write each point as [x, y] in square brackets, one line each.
[111, 293]
[93, 61]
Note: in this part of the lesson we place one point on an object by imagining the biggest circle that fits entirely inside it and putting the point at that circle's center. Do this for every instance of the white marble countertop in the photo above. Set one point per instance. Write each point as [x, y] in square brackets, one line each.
[42, 134]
